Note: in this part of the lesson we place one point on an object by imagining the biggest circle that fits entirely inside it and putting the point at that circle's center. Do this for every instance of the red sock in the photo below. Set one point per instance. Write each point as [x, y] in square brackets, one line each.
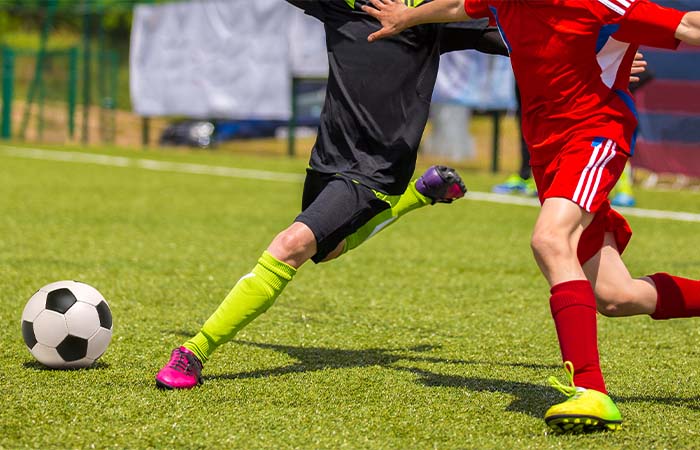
[677, 297]
[574, 311]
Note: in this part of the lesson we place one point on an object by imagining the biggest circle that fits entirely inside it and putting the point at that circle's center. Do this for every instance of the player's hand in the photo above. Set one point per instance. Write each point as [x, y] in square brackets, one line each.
[639, 65]
[390, 13]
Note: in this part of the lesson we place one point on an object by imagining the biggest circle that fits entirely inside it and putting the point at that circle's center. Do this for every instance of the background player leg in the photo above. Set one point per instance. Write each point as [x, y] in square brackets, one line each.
[521, 182]
[623, 193]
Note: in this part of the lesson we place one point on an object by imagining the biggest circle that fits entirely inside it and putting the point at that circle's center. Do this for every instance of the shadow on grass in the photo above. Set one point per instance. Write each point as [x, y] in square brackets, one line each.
[99, 365]
[183, 333]
[317, 358]
[534, 399]
[530, 398]
[692, 403]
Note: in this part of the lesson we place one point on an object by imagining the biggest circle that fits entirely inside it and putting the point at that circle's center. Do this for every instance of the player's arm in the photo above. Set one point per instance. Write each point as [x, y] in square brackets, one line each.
[311, 7]
[301, 4]
[653, 25]
[688, 30]
[485, 40]
[395, 16]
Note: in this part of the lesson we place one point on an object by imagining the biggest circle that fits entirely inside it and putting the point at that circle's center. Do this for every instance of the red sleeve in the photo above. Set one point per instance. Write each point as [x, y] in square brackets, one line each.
[647, 23]
[476, 9]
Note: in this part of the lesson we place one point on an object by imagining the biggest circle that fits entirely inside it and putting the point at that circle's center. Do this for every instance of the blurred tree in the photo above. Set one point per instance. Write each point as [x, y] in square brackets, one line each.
[29, 14]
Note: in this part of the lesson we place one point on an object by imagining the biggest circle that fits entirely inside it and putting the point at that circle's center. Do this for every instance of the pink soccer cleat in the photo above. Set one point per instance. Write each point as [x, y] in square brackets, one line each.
[183, 371]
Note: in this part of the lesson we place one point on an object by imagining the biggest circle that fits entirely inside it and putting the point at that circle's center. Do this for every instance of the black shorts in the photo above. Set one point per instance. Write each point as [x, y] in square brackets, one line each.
[334, 207]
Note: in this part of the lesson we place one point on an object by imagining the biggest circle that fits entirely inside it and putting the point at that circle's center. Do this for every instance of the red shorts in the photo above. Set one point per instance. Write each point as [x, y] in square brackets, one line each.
[585, 172]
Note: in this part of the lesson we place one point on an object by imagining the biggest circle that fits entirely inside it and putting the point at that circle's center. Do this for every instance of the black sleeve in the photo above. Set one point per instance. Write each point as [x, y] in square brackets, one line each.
[313, 8]
[482, 39]
[644, 78]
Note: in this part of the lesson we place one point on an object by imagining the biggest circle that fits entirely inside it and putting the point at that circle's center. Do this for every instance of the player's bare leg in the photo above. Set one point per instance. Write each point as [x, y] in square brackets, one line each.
[555, 239]
[573, 306]
[294, 246]
[617, 293]
[661, 295]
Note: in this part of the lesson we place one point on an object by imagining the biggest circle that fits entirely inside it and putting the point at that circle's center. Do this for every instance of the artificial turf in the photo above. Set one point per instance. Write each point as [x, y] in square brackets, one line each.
[434, 334]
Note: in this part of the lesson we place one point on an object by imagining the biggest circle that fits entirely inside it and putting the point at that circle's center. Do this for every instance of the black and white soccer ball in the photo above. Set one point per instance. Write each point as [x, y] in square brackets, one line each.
[67, 324]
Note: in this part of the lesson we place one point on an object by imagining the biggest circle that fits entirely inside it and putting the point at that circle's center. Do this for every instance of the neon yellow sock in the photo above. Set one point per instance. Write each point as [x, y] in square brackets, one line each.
[251, 296]
[400, 205]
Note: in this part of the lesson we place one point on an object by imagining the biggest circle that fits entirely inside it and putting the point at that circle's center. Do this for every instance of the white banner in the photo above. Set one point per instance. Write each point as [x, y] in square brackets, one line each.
[221, 58]
[475, 80]
[307, 46]
[234, 59]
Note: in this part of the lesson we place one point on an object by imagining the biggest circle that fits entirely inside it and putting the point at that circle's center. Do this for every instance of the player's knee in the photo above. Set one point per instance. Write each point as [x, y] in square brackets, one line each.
[612, 299]
[547, 244]
[294, 245]
[287, 243]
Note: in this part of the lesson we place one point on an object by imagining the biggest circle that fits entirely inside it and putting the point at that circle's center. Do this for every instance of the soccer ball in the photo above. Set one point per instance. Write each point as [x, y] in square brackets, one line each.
[67, 324]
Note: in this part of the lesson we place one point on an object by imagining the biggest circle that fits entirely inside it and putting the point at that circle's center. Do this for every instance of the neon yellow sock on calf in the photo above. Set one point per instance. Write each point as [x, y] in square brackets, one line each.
[399, 205]
[252, 295]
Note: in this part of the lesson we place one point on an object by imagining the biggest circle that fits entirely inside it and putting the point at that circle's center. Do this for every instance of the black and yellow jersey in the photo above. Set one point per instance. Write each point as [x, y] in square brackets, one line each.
[378, 95]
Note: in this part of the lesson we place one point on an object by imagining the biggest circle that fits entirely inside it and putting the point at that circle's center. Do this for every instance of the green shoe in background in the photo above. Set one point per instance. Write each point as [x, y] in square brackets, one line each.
[515, 184]
[623, 194]
[530, 187]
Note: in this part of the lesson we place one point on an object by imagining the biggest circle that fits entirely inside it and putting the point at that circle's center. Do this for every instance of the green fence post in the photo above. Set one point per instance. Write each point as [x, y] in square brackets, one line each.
[101, 72]
[113, 86]
[40, 119]
[72, 89]
[496, 139]
[87, 63]
[8, 78]
[39, 67]
[145, 131]
[292, 125]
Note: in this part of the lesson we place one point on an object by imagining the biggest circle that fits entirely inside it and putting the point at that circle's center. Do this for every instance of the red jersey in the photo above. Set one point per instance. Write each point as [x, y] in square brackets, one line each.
[572, 61]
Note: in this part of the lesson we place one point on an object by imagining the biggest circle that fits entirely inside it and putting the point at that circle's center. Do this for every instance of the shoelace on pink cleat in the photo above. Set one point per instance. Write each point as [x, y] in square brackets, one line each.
[180, 362]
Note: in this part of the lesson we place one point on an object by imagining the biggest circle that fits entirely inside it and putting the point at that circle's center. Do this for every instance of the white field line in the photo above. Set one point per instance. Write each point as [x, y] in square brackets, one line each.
[636, 212]
[232, 172]
[149, 164]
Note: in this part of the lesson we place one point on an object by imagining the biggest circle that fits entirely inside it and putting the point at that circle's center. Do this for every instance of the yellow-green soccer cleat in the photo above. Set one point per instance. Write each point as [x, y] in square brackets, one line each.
[586, 410]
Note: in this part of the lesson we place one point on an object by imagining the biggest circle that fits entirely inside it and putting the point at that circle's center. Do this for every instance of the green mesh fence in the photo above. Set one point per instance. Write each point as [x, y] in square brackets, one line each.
[60, 68]
[43, 92]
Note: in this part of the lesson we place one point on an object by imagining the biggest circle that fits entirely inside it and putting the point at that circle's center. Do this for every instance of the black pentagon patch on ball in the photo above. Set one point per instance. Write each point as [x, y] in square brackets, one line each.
[28, 334]
[72, 348]
[105, 315]
[60, 300]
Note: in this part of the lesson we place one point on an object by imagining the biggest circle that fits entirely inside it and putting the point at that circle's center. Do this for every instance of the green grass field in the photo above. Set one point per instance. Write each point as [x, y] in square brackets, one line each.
[434, 334]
